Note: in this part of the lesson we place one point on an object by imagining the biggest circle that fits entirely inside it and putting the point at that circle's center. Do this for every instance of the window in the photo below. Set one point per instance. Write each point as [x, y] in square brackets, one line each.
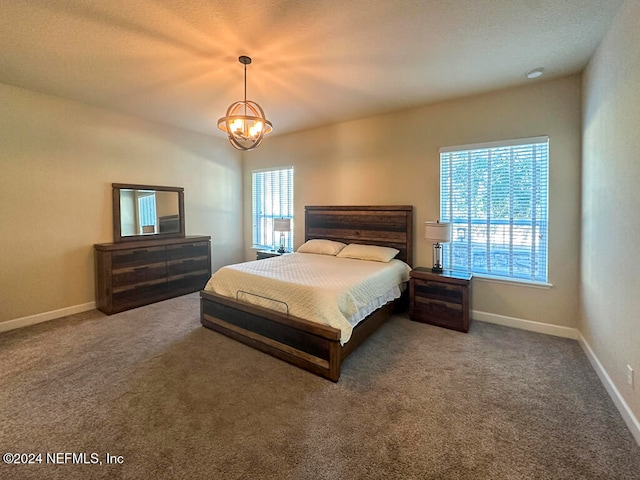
[272, 198]
[147, 211]
[495, 197]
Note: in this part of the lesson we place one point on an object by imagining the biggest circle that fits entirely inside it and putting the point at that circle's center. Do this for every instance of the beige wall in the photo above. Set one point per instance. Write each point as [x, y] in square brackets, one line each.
[610, 279]
[58, 159]
[394, 159]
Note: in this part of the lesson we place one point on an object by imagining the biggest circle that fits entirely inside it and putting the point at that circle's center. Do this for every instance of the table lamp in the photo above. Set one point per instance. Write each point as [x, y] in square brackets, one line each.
[438, 233]
[281, 225]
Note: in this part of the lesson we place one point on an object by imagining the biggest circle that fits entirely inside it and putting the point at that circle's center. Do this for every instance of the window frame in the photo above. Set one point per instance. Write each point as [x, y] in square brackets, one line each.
[534, 225]
[266, 207]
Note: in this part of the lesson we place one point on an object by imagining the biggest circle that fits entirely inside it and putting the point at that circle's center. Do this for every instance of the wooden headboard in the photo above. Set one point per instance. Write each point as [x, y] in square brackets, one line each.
[384, 225]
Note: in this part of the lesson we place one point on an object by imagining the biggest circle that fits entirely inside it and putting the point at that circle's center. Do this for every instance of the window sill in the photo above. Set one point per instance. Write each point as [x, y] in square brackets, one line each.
[514, 281]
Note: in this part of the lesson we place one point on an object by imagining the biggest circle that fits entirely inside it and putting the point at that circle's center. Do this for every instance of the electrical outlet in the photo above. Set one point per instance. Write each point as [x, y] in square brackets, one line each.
[630, 376]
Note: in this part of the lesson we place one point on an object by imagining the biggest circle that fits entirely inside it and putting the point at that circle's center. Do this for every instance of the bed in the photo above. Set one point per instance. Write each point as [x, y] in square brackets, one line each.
[313, 346]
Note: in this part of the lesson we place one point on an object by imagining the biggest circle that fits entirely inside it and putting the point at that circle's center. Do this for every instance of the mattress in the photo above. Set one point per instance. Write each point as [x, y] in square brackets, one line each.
[330, 290]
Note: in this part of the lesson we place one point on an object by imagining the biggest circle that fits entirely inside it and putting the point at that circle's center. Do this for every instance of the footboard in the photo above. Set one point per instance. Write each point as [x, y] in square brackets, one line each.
[311, 346]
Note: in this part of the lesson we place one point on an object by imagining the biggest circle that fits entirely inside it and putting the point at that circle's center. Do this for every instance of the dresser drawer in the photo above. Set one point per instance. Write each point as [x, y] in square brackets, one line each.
[187, 265]
[138, 257]
[137, 275]
[436, 308]
[189, 282]
[140, 294]
[188, 250]
[445, 292]
[443, 314]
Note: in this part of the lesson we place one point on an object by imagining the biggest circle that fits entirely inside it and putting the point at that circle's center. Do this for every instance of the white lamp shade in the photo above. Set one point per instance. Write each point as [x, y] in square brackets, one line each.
[437, 232]
[282, 224]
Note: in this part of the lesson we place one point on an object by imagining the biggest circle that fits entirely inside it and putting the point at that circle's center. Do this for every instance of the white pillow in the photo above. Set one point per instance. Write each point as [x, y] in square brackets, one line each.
[322, 247]
[368, 252]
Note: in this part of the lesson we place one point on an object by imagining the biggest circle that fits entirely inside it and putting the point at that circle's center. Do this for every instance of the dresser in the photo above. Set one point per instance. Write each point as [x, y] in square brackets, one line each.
[442, 299]
[136, 273]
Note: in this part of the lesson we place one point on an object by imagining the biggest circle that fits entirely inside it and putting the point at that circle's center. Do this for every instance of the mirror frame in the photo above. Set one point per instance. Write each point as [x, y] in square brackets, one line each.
[117, 228]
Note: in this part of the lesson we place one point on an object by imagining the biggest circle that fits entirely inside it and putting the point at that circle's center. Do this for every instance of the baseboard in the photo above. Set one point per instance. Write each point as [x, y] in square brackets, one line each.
[539, 327]
[45, 316]
[573, 333]
[627, 415]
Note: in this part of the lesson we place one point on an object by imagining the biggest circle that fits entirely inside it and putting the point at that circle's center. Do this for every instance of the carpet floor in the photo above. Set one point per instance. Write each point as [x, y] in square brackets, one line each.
[166, 398]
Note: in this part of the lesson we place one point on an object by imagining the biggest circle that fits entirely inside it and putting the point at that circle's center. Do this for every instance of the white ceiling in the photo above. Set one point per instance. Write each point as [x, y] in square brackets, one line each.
[315, 62]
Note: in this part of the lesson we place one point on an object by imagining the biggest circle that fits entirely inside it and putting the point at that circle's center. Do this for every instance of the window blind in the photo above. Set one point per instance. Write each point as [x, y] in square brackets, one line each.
[272, 198]
[495, 195]
[147, 209]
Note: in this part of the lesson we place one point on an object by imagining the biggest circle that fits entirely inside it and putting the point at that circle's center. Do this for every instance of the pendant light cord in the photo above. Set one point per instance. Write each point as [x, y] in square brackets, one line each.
[245, 89]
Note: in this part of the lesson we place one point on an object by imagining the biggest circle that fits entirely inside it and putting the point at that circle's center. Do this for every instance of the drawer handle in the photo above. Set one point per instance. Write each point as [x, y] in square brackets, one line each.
[433, 301]
[135, 252]
[451, 306]
[444, 286]
[137, 269]
[439, 302]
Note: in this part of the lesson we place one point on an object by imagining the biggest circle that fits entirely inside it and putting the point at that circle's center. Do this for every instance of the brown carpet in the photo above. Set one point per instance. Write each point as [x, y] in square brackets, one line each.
[176, 400]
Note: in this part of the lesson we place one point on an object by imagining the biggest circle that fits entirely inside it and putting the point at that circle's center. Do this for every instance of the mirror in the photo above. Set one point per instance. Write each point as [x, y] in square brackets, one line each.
[144, 212]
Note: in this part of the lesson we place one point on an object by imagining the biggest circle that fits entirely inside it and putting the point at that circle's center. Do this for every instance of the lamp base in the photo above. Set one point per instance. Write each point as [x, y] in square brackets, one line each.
[437, 258]
[281, 249]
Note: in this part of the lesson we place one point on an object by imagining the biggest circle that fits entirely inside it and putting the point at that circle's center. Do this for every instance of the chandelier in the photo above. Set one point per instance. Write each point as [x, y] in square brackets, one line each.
[245, 123]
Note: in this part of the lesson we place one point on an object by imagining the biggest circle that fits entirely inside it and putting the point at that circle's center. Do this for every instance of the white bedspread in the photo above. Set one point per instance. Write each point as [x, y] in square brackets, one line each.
[334, 291]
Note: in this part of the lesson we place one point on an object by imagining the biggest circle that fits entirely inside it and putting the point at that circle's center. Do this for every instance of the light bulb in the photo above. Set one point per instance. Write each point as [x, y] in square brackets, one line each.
[255, 130]
[237, 126]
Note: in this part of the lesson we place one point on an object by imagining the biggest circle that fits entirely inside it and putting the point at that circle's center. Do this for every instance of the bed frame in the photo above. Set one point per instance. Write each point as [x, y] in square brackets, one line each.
[313, 346]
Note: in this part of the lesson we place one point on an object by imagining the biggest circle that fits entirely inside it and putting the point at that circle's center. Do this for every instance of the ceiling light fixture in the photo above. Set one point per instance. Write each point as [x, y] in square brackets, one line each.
[245, 122]
[535, 73]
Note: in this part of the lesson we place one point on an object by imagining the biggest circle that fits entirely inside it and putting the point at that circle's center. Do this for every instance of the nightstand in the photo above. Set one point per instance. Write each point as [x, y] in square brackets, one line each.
[262, 254]
[442, 299]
